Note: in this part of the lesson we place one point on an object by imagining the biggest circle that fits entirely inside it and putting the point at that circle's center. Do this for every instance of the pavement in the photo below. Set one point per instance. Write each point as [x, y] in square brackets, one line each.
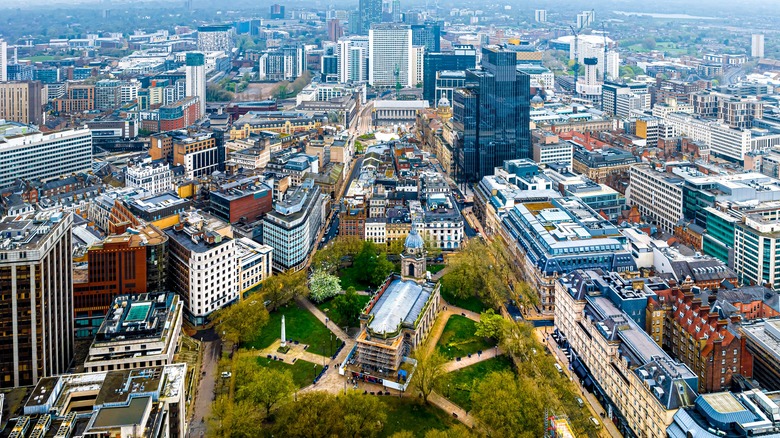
[211, 346]
[455, 365]
[609, 430]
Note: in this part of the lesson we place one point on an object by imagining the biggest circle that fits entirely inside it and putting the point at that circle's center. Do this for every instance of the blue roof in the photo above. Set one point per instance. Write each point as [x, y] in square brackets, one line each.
[414, 240]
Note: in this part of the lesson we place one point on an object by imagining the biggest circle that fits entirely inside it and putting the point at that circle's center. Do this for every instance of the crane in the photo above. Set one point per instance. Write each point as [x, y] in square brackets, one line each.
[397, 74]
[576, 34]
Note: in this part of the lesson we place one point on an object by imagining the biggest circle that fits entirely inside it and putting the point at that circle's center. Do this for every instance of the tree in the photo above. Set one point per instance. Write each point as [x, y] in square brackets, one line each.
[329, 258]
[429, 372]
[431, 247]
[361, 416]
[323, 286]
[516, 338]
[233, 420]
[242, 321]
[649, 43]
[382, 269]
[313, 415]
[347, 307]
[489, 325]
[267, 387]
[402, 434]
[279, 289]
[456, 431]
[509, 406]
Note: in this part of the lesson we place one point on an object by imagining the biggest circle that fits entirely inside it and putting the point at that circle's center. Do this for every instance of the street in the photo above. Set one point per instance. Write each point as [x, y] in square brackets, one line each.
[208, 378]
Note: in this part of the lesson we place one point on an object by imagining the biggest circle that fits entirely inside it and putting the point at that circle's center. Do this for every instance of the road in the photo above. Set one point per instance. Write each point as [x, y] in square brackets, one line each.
[364, 124]
[208, 378]
[731, 75]
[596, 410]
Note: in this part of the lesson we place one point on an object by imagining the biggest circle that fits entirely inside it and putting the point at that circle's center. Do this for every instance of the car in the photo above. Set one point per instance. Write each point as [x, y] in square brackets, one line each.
[558, 367]
[226, 374]
[579, 401]
[595, 422]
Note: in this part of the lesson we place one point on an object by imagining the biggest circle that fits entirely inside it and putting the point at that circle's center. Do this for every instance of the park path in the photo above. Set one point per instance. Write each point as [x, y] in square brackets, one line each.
[449, 407]
[454, 365]
[441, 321]
[319, 314]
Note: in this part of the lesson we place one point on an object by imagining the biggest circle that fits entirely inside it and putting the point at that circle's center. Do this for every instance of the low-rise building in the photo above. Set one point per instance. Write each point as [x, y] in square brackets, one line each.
[244, 200]
[396, 320]
[153, 176]
[149, 402]
[726, 414]
[139, 331]
[599, 163]
[255, 263]
[640, 385]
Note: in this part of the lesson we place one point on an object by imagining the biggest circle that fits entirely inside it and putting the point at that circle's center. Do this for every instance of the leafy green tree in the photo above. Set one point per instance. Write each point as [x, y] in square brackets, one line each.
[456, 431]
[509, 406]
[242, 321]
[233, 420]
[323, 286]
[329, 258]
[313, 415]
[266, 387]
[347, 307]
[382, 269]
[429, 372]
[281, 288]
[361, 416]
[402, 434]
[489, 325]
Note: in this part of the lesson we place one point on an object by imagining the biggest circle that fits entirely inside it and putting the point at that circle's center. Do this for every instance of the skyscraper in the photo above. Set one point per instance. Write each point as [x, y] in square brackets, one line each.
[3, 60]
[390, 57]
[196, 78]
[36, 310]
[353, 59]
[396, 11]
[427, 34]
[370, 13]
[461, 58]
[21, 102]
[757, 46]
[492, 114]
[217, 37]
[540, 15]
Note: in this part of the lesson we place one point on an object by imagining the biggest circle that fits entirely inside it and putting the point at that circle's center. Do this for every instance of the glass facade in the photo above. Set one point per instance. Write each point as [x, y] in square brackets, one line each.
[436, 62]
[494, 116]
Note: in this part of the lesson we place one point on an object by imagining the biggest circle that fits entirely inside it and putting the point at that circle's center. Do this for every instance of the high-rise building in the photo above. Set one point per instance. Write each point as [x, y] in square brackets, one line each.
[108, 94]
[215, 38]
[335, 31]
[20, 72]
[36, 310]
[29, 154]
[276, 12]
[3, 61]
[427, 34]
[390, 57]
[21, 102]
[492, 115]
[77, 98]
[396, 12]
[203, 266]
[370, 13]
[461, 58]
[540, 15]
[352, 53]
[757, 45]
[291, 228]
[354, 23]
[284, 63]
[611, 90]
[195, 69]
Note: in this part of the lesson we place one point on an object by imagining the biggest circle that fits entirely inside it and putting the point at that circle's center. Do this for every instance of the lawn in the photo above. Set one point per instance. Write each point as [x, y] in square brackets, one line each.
[435, 268]
[471, 303]
[458, 340]
[348, 278]
[303, 372]
[325, 306]
[463, 380]
[301, 326]
[411, 415]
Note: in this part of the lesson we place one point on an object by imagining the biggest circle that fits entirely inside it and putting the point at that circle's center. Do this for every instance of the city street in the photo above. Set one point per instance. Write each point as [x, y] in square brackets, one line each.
[208, 378]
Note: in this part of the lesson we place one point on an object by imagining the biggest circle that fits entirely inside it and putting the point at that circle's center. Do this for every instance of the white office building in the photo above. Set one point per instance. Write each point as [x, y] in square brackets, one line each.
[757, 45]
[540, 15]
[29, 154]
[391, 56]
[255, 263]
[153, 177]
[196, 78]
[128, 92]
[3, 61]
[204, 264]
[291, 229]
[657, 195]
[352, 55]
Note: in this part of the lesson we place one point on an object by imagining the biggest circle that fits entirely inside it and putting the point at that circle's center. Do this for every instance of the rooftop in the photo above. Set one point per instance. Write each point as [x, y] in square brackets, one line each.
[400, 303]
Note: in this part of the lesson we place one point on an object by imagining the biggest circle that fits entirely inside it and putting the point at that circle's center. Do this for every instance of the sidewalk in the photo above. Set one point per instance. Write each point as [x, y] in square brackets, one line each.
[450, 408]
[454, 365]
[308, 305]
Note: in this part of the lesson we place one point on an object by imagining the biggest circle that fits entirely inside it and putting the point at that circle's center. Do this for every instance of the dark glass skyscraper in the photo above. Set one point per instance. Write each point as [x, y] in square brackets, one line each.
[492, 115]
[462, 58]
[370, 13]
[427, 34]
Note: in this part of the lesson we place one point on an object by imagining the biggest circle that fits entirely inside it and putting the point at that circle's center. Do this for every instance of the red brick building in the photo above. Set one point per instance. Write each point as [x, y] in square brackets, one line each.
[245, 200]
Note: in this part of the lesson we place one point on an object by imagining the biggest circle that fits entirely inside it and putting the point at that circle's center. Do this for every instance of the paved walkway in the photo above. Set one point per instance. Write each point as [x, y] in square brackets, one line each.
[295, 352]
[308, 305]
[450, 407]
[467, 361]
[441, 322]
